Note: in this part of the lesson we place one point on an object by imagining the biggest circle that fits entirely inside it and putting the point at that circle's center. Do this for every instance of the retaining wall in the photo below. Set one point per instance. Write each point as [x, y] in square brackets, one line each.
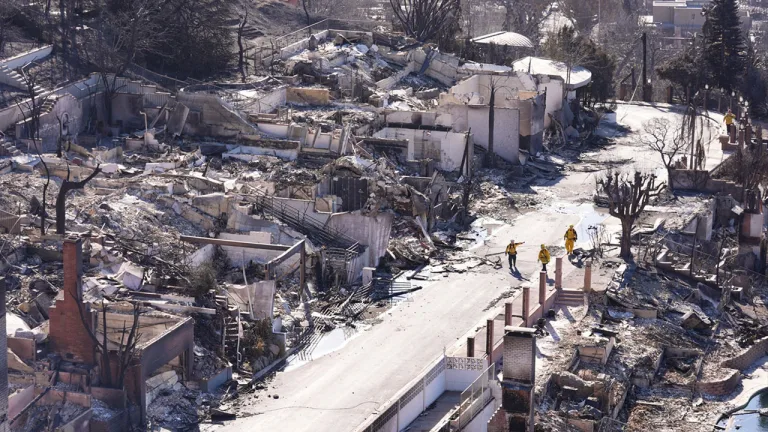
[748, 356]
[721, 387]
[734, 366]
[445, 374]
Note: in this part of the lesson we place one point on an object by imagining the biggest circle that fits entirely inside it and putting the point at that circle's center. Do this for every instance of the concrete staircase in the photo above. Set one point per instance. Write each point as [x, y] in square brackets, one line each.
[8, 148]
[570, 297]
[14, 79]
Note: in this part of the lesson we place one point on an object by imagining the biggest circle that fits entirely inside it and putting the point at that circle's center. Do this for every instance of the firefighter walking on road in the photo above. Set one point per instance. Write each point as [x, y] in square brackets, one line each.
[512, 254]
[570, 238]
[544, 257]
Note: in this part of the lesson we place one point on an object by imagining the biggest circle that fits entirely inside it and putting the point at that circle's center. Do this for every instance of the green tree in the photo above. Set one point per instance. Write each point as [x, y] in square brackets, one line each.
[753, 87]
[724, 46]
[689, 71]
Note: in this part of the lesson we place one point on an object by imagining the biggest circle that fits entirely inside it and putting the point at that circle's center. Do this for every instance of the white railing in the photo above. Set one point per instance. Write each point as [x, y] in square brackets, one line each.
[475, 397]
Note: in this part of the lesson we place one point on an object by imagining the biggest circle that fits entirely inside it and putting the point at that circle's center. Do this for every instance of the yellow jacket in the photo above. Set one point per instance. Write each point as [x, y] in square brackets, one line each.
[544, 256]
[512, 248]
[571, 234]
[729, 118]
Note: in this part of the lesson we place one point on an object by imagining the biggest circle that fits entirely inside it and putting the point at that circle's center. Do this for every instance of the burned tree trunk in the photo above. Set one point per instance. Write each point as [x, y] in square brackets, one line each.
[490, 157]
[241, 52]
[626, 237]
[627, 197]
[32, 113]
[306, 11]
[126, 351]
[43, 213]
[61, 200]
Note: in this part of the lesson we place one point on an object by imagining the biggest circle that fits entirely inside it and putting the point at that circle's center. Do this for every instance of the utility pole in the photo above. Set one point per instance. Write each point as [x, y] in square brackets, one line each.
[599, 23]
[645, 76]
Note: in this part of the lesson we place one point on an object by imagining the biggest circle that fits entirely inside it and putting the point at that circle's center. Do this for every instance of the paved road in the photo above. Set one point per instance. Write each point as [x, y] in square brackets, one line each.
[337, 392]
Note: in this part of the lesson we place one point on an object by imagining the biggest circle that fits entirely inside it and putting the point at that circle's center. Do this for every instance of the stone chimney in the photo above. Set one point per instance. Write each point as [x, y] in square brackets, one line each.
[69, 317]
[519, 376]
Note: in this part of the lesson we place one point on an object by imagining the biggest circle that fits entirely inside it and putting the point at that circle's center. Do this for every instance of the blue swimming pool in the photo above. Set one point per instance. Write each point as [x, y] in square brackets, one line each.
[747, 418]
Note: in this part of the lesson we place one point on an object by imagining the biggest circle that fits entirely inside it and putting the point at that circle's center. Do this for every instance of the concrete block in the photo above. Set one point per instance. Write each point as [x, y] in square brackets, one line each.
[489, 337]
[168, 378]
[526, 305]
[17, 364]
[588, 277]
[131, 275]
[213, 204]
[368, 274]
[309, 96]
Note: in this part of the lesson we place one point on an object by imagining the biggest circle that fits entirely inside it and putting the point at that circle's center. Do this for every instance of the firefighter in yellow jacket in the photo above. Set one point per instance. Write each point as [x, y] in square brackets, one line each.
[544, 257]
[512, 253]
[570, 238]
[728, 120]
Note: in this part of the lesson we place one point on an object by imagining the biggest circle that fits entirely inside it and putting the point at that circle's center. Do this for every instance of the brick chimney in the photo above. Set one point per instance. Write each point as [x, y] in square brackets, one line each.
[68, 334]
[519, 376]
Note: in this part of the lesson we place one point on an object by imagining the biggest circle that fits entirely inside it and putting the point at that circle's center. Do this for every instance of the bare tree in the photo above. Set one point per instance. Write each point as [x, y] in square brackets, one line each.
[490, 156]
[751, 167]
[525, 16]
[32, 109]
[665, 138]
[425, 19]
[121, 34]
[241, 48]
[566, 46]
[34, 103]
[42, 209]
[61, 200]
[305, 4]
[60, 142]
[126, 350]
[493, 89]
[627, 196]
[692, 135]
[8, 9]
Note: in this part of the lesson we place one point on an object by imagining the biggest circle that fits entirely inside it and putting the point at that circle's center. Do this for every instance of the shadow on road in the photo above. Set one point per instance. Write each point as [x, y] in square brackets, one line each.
[517, 275]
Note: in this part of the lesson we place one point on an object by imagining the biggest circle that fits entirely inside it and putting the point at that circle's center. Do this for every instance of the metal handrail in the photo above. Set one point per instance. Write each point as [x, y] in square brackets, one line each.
[476, 393]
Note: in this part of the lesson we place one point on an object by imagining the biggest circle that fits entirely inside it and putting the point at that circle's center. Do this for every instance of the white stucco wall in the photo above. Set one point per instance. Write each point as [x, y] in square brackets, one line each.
[554, 100]
[242, 256]
[480, 422]
[460, 379]
[506, 137]
[476, 90]
[371, 231]
[446, 148]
